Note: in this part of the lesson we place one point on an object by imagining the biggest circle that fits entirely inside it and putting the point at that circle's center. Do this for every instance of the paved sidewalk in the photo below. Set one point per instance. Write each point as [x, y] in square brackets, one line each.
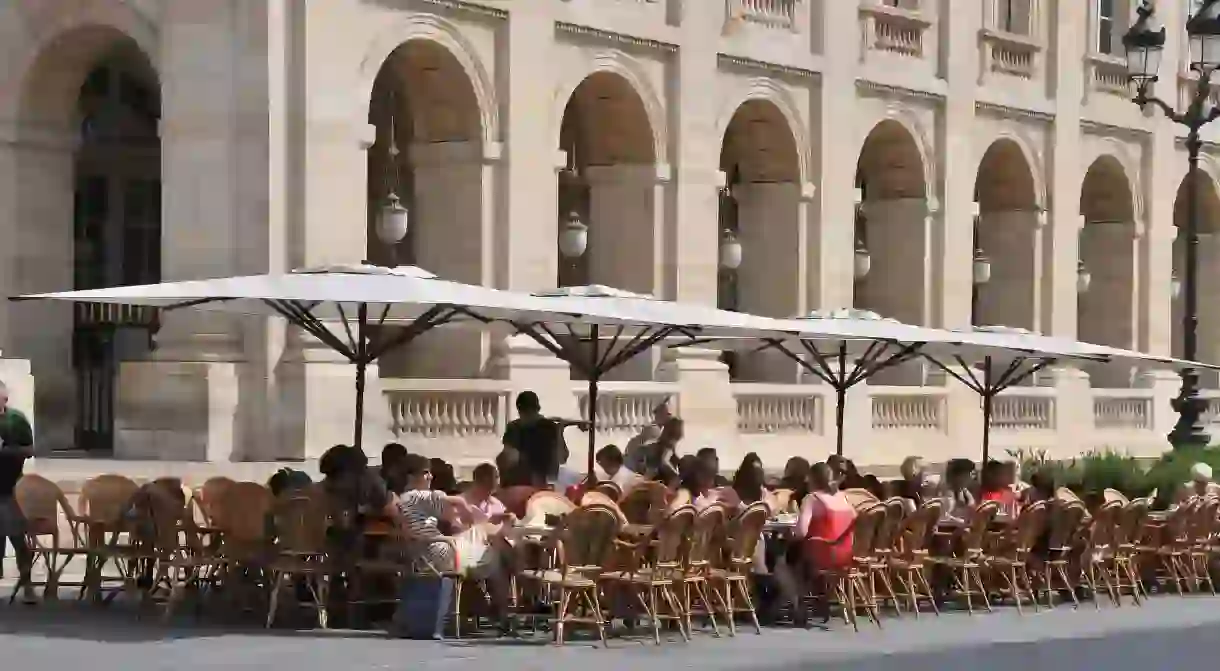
[1169, 632]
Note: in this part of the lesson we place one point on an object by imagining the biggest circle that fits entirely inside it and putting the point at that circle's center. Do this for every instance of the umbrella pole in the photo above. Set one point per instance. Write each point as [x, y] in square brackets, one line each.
[592, 405]
[840, 403]
[362, 364]
[988, 395]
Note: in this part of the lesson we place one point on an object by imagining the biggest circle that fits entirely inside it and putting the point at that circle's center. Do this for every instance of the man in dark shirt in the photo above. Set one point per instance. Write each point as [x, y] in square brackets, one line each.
[16, 445]
[534, 438]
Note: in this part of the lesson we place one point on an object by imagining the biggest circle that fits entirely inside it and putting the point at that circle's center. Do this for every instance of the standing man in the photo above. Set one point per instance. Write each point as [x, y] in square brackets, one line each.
[536, 440]
[635, 455]
[16, 445]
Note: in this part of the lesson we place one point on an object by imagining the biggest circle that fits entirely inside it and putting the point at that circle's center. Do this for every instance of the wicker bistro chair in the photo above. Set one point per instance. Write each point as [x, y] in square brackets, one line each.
[1066, 517]
[966, 564]
[703, 554]
[546, 503]
[782, 499]
[847, 585]
[732, 581]
[1167, 557]
[103, 505]
[585, 538]
[1098, 560]
[1129, 525]
[885, 541]
[168, 544]
[1209, 545]
[644, 503]
[1203, 532]
[910, 559]
[609, 489]
[300, 551]
[653, 585]
[48, 514]
[1011, 562]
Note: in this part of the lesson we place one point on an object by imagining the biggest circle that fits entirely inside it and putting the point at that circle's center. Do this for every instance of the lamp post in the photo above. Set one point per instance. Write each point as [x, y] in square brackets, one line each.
[863, 259]
[980, 270]
[1145, 45]
[392, 217]
[1084, 278]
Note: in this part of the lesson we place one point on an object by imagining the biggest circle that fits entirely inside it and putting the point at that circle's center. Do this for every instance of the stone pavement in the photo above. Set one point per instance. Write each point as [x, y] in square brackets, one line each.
[1169, 632]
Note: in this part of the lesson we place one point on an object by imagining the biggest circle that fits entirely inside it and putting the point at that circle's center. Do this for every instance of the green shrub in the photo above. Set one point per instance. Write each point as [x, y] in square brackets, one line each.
[1173, 469]
[1110, 469]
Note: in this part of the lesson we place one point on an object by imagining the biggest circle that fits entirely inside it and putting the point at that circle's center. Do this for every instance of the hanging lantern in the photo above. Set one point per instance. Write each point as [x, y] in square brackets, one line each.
[863, 261]
[392, 221]
[1175, 287]
[981, 268]
[1083, 277]
[730, 251]
[573, 237]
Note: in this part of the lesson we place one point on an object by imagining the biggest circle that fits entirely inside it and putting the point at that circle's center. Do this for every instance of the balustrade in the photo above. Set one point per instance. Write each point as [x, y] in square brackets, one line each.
[626, 407]
[778, 408]
[1122, 409]
[447, 408]
[908, 408]
[772, 13]
[1024, 409]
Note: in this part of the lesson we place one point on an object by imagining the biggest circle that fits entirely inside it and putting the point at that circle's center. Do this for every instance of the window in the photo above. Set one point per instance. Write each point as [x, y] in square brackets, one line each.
[1013, 16]
[1107, 38]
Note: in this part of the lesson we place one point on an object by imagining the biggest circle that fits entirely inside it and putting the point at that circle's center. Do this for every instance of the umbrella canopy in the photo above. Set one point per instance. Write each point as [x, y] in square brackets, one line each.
[991, 359]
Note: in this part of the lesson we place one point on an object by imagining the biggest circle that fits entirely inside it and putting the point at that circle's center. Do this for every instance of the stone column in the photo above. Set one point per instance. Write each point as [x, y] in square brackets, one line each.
[1012, 242]
[36, 255]
[770, 280]
[1108, 311]
[627, 238]
[899, 283]
[453, 219]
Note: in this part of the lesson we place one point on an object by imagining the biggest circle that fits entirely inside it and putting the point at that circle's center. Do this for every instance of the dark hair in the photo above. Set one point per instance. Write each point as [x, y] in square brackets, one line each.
[342, 460]
[748, 480]
[993, 472]
[483, 471]
[666, 475]
[672, 430]
[610, 453]
[959, 468]
[527, 401]
[392, 454]
[706, 452]
[698, 473]
[415, 464]
[820, 476]
[443, 477]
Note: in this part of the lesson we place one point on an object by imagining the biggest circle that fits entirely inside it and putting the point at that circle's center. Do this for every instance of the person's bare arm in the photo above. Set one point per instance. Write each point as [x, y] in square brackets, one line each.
[465, 512]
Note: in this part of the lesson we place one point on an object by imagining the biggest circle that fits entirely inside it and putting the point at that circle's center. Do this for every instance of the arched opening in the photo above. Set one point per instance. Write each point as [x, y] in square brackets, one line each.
[1208, 223]
[892, 229]
[428, 155]
[88, 216]
[608, 184]
[1106, 307]
[760, 208]
[1007, 259]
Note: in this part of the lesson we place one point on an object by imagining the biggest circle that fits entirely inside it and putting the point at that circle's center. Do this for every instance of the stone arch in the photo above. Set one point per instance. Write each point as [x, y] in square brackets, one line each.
[1115, 151]
[1106, 193]
[893, 161]
[1007, 233]
[1208, 280]
[447, 36]
[614, 64]
[66, 43]
[916, 129]
[762, 89]
[1106, 309]
[759, 126]
[1006, 178]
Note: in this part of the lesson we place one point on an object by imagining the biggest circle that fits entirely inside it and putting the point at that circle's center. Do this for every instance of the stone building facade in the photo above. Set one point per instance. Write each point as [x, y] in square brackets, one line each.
[147, 140]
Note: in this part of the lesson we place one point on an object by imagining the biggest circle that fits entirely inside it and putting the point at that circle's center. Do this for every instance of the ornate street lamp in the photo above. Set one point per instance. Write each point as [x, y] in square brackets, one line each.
[980, 267]
[1175, 287]
[730, 250]
[392, 218]
[863, 260]
[1145, 45]
[1084, 278]
[573, 237]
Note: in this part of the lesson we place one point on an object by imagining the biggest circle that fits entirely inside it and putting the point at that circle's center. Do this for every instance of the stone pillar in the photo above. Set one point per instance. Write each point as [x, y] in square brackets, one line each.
[705, 396]
[1012, 242]
[37, 255]
[770, 280]
[899, 283]
[453, 219]
[1108, 310]
[626, 238]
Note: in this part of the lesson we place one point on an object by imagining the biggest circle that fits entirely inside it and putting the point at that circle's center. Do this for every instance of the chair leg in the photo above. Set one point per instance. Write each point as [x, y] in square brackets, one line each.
[977, 575]
[927, 590]
[561, 614]
[590, 598]
[277, 585]
[1014, 586]
[745, 596]
[675, 607]
[888, 584]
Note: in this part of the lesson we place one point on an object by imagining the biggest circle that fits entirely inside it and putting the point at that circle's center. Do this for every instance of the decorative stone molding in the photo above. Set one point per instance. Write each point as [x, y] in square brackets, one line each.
[729, 62]
[629, 173]
[881, 90]
[1009, 54]
[473, 8]
[1011, 112]
[1106, 74]
[770, 90]
[38, 137]
[616, 39]
[770, 13]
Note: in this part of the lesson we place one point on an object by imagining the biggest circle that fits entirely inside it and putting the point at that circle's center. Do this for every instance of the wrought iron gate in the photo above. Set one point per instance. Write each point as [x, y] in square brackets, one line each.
[96, 362]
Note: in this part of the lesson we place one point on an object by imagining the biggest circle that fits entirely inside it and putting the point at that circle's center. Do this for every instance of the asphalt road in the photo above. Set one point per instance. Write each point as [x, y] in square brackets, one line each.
[1169, 632]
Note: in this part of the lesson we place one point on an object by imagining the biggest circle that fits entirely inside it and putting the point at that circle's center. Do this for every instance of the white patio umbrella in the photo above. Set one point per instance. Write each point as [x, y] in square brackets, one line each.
[629, 324]
[337, 304]
[845, 347]
[992, 359]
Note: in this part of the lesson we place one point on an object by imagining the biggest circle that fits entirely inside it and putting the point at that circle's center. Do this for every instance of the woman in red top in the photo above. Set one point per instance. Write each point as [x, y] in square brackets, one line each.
[994, 486]
[821, 540]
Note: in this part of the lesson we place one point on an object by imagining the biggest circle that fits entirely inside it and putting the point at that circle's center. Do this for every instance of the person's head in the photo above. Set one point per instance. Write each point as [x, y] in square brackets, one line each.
[821, 477]
[796, 470]
[342, 461]
[278, 482]
[748, 479]
[838, 465]
[418, 471]
[661, 413]
[959, 473]
[610, 459]
[1201, 475]
[668, 477]
[443, 477]
[484, 480]
[392, 454]
[3, 396]
[672, 431]
[1042, 481]
[528, 404]
[992, 477]
[699, 478]
[708, 456]
[912, 469]
[686, 464]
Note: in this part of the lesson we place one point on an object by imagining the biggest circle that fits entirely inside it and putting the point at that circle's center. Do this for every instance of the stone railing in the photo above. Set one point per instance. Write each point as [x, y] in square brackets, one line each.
[779, 408]
[1009, 54]
[903, 408]
[893, 30]
[1188, 84]
[771, 13]
[1107, 74]
[447, 408]
[1211, 416]
[1122, 409]
[626, 407]
[1024, 408]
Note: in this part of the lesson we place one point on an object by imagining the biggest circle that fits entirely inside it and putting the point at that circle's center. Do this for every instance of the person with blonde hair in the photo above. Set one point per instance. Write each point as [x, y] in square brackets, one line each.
[1200, 484]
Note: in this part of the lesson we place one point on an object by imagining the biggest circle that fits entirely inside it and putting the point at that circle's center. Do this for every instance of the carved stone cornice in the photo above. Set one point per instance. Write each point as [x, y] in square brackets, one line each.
[1011, 112]
[1112, 130]
[875, 87]
[777, 70]
[474, 8]
[618, 39]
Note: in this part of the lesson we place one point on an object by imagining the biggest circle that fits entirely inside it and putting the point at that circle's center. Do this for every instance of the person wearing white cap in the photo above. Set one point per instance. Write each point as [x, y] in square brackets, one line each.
[1200, 483]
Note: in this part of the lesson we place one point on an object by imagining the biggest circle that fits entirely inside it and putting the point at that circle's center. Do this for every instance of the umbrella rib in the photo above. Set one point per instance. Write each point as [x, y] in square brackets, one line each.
[907, 353]
[608, 355]
[969, 379]
[636, 346]
[875, 349]
[347, 327]
[431, 318]
[828, 374]
[298, 315]
[808, 367]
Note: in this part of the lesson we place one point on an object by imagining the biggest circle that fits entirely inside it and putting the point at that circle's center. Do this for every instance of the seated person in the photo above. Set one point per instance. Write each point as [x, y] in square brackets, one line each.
[485, 508]
[391, 471]
[994, 486]
[822, 536]
[610, 460]
[955, 491]
[1200, 484]
[698, 488]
